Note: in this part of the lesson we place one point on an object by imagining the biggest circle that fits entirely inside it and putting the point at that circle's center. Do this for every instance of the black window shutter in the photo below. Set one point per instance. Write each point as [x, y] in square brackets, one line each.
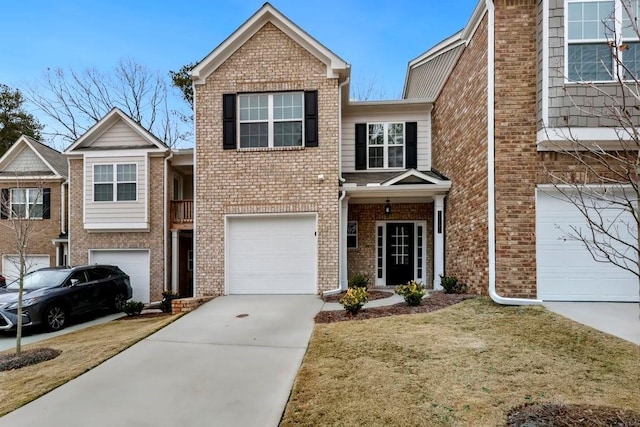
[46, 203]
[311, 118]
[411, 153]
[229, 121]
[4, 204]
[361, 146]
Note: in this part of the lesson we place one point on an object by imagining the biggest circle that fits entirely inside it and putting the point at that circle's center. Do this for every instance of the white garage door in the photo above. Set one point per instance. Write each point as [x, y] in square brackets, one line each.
[11, 265]
[271, 255]
[135, 263]
[566, 269]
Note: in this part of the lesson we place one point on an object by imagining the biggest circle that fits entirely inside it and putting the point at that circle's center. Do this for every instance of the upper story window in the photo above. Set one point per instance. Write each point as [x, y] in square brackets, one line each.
[594, 28]
[26, 203]
[115, 183]
[392, 145]
[385, 145]
[270, 120]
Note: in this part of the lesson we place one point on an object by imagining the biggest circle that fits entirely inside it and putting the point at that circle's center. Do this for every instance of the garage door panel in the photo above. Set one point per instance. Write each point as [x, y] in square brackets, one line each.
[135, 263]
[565, 268]
[271, 255]
[11, 265]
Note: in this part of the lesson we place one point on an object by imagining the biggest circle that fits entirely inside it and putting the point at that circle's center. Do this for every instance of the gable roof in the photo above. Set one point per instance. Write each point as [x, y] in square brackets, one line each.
[105, 123]
[427, 74]
[336, 66]
[52, 159]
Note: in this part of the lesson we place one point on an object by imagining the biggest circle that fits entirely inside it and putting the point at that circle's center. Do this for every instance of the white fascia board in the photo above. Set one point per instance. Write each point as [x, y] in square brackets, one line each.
[32, 178]
[267, 13]
[399, 190]
[101, 227]
[17, 147]
[119, 153]
[417, 174]
[437, 50]
[549, 139]
[475, 20]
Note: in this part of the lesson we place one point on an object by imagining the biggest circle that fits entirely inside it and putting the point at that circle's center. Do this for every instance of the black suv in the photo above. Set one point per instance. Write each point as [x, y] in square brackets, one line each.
[53, 294]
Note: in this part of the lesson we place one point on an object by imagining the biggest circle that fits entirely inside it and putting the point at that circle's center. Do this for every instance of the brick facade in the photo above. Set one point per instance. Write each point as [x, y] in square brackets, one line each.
[264, 180]
[460, 152]
[363, 258]
[42, 231]
[81, 241]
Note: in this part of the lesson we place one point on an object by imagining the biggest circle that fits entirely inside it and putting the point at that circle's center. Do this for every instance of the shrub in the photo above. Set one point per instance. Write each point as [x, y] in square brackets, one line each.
[412, 292]
[451, 285]
[354, 299]
[359, 280]
[167, 297]
[133, 308]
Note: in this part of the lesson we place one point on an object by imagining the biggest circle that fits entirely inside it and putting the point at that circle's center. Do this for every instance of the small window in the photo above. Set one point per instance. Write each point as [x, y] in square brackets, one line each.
[352, 234]
[190, 260]
[270, 120]
[120, 186]
[385, 145]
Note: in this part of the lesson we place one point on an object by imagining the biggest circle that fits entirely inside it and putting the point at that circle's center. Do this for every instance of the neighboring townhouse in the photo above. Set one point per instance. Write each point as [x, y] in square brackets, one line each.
[127, 205]
[33, 188]
[514, 97]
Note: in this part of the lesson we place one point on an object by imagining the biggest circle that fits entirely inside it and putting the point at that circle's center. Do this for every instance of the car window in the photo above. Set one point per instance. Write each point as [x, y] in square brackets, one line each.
[98, 273]
[40, 279]
[77, 278]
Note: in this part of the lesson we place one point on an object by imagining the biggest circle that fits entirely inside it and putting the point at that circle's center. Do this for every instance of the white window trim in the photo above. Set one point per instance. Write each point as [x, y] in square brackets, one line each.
[352, 235]
[616, 68]
[270, 121]
[26, 203]
[114, 182]
[385, 145]
[177, 177]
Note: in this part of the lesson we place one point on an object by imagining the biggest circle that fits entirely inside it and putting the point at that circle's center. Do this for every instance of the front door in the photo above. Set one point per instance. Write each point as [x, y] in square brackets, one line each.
[400, 253]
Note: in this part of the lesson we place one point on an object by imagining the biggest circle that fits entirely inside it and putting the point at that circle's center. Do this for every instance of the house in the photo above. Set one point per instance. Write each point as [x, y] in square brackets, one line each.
[126, 205]
[296, 187]
[33, 188]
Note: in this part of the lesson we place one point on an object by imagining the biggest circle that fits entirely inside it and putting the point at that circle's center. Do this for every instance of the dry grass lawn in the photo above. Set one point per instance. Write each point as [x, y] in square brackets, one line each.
[468, 364]
[81, 351]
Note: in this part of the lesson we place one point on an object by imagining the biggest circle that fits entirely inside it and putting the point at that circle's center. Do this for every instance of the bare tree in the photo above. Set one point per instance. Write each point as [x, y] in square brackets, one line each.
[367, 89]
[22, 205]
[75, 100]
[602, 183]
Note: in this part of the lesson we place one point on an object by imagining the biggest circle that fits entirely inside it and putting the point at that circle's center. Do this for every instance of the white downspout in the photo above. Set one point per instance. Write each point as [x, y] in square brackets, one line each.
[63, 208]
[491, 167]
[166, 218]
[341, 241]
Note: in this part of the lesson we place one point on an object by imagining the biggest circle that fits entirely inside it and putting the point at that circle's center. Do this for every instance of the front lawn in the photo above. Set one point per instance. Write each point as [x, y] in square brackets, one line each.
[468, 364]
[80, 351]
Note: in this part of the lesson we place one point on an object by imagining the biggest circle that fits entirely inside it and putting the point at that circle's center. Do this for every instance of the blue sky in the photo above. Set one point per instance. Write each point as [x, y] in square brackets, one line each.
[377, 38]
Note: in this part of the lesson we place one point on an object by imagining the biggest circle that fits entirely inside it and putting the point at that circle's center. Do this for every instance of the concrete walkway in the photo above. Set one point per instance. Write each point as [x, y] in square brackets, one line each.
[232, 362]
[615, 318]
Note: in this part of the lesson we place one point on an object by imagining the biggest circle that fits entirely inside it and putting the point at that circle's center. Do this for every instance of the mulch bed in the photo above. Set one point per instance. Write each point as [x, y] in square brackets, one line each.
[552, 414]
[373, 295]
[144, 316]
[9, 362]
[435, 301]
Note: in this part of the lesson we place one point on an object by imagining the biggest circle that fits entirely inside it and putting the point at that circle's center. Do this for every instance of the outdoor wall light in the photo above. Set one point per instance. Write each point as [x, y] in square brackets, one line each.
[387, 207]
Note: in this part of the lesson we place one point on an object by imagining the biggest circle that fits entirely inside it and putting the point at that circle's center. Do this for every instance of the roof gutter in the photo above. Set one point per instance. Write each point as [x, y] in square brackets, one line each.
[491, 166]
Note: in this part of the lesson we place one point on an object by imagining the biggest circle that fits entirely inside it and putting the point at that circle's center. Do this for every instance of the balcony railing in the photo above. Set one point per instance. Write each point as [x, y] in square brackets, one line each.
[182, 214]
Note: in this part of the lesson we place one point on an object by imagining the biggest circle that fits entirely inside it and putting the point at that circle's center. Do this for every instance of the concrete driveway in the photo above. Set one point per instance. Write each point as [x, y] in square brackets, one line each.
[615, 318]
[231, 362]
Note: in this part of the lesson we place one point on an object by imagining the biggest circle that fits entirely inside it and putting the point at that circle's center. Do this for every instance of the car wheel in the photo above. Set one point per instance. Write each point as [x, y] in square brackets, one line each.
[55, 317]
[119, 300]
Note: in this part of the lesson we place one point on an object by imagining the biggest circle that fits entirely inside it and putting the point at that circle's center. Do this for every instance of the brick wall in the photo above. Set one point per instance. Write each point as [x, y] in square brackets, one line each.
[460, 152]
[363, 259]
[42, 231]
[265, 180]
[81, 240]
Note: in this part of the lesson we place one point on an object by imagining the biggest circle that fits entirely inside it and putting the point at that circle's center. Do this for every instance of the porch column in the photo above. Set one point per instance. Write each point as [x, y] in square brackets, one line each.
[438, 240]
[175, 242]
[344, 280]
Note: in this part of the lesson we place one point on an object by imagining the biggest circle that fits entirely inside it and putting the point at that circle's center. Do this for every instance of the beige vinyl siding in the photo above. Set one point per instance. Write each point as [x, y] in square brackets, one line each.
[27, 161]
[116, 212]
[349, 138]
[120, 135]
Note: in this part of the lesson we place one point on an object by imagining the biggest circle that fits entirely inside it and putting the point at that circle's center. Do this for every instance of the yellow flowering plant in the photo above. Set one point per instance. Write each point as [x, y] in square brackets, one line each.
[412, 292]
[354, 299]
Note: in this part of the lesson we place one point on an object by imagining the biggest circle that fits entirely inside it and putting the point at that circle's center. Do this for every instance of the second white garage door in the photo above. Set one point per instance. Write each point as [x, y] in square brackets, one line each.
[11, 265]
[566, 270]
[271, 254]
[135, 263]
